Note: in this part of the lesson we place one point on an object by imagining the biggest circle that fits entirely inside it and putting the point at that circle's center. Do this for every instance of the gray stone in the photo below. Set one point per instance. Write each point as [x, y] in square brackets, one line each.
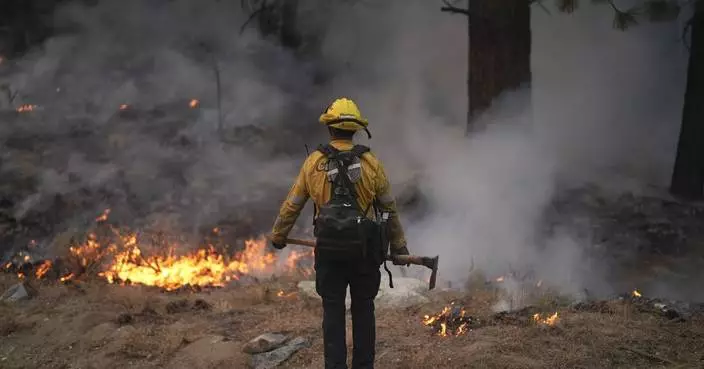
[18, 292]
[272, 359]
[264, 343]
[406, 292]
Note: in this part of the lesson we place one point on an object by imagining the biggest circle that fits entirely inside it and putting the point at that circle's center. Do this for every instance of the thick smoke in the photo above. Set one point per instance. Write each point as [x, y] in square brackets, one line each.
[605, 110]
[113, 126]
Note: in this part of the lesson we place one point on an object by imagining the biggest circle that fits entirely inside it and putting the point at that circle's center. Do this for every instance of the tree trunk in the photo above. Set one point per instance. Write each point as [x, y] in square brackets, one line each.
[290, 36]
[688, 174]
[499, 52]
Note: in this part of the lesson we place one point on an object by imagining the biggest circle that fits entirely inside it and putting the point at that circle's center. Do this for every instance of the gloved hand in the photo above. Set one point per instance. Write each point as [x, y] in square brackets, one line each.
[278, 246]
[399, 251]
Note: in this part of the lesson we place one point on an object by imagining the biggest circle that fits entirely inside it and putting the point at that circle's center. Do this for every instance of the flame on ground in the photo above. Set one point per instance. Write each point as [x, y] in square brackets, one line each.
[43, 269]
[127, 263]
[283, 294]
[25, 108]
[119, 257]
[204, 267]
[548, 320]
[635, 293]
[451, 321]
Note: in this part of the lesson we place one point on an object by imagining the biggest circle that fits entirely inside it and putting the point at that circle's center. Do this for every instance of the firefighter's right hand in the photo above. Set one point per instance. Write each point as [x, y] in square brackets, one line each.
[399, 251]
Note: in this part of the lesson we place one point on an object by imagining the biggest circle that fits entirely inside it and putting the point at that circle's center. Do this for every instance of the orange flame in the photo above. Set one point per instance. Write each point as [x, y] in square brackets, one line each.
[43, 269]
[204, 267]
[194, 104]
[450, 321]
[66, 278]
[636, 293]
[25, 108]
[549, 320]
[283, 294]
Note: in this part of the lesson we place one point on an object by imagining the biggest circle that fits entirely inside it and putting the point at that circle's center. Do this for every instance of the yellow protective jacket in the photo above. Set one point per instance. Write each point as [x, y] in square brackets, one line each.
[312, 183]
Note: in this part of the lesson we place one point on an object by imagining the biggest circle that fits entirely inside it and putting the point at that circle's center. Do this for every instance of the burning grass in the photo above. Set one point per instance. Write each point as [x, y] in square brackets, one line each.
[451, 321]
[122, 256]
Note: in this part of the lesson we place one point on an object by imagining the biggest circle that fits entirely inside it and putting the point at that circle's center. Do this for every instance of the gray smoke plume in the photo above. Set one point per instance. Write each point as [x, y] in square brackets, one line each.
[605, 111]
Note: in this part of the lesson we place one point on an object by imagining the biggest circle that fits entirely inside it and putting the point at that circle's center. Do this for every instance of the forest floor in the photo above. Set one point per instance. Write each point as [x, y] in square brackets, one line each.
[95, 325]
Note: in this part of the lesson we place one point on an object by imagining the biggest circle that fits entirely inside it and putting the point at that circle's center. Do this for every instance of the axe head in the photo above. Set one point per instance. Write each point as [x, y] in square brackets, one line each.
[432, 264]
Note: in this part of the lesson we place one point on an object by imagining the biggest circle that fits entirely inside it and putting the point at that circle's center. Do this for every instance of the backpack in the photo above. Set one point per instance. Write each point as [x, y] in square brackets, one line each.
[341, 228]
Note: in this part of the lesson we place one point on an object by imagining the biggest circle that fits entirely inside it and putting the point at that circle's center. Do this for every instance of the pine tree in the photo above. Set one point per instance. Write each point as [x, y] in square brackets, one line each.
[499, 60]
[499, 51]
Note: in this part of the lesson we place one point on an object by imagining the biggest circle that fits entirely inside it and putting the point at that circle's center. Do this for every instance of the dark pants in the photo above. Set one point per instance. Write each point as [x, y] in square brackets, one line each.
[332, 278]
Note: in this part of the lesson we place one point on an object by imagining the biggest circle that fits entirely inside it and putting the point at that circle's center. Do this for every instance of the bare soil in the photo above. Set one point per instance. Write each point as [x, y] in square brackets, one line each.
[93, 325]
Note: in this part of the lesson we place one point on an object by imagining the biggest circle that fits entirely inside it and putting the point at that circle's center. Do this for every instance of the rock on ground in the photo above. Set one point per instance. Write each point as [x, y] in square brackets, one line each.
[18, 292]
[207, 352]
[264, 343]
[272, 359]
[406, 292]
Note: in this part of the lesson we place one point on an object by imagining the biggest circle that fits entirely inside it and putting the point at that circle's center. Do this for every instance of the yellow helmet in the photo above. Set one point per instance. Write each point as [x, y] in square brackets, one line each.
[344, 114]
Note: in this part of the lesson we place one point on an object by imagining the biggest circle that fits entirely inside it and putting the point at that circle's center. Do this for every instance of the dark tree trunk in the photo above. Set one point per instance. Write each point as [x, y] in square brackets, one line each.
[688, 174]
[499, 51]
[290, 36]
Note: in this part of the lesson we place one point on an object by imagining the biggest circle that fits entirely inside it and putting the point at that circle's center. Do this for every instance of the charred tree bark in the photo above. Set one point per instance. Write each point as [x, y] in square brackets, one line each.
[688, 174]
[499, 52]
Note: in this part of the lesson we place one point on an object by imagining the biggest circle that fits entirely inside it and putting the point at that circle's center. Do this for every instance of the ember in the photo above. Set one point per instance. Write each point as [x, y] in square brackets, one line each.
[43, 269]
[104, 216]
[451, 321]
[283, 294]
[549, 320]
[124, 107]
[25, 108]
[194, 104]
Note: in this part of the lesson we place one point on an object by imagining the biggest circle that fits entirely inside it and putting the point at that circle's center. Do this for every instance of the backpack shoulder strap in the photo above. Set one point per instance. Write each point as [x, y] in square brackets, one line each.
[359, 150]
[328, 150]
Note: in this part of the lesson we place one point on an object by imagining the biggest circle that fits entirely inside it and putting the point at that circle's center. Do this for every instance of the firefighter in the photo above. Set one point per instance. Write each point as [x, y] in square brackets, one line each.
[346, 183]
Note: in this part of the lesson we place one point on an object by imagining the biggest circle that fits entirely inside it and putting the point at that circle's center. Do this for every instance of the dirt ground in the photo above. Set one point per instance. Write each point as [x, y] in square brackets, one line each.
[98, 326]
